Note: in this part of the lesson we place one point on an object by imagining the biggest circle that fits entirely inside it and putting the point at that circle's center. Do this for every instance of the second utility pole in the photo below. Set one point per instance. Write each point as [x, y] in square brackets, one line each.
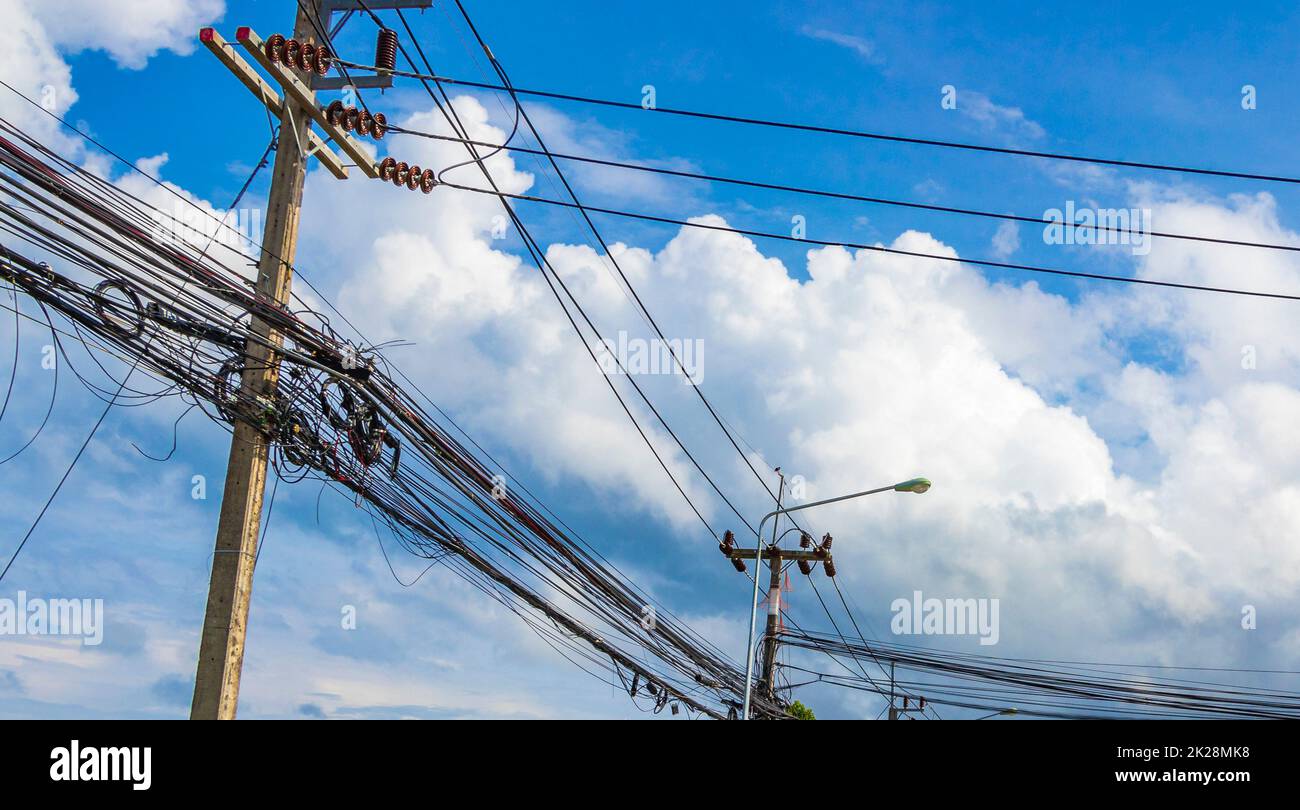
[770, 640]
[225, 622]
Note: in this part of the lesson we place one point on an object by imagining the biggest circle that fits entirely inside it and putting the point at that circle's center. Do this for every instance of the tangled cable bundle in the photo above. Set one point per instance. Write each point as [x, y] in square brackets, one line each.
[112, 270]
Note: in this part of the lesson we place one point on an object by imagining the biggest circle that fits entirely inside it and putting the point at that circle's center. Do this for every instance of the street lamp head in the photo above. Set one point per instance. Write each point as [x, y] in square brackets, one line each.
[917, 485]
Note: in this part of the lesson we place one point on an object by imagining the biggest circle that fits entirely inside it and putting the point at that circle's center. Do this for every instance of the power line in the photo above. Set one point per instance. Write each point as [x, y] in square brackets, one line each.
[850, 197]
[553, 279]
[121, 386]
[1029, 268]
[1034, 683]
[841, 131]
[501, 73]
[435, 496]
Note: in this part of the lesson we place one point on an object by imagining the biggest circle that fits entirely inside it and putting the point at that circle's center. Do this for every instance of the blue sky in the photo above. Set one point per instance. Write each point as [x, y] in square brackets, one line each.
[1116, 82]
[1080, 514]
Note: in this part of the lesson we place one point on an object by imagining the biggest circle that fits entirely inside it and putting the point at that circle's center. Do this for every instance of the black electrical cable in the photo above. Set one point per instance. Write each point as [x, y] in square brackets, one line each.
[1028, 268]
[843, 131]
[849, 197]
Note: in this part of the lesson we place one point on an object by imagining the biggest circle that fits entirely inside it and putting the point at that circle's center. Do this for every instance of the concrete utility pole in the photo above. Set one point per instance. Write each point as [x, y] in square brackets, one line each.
[775, 557]
[770, 641]
[896, 713]
[772, 552]
[225, 622]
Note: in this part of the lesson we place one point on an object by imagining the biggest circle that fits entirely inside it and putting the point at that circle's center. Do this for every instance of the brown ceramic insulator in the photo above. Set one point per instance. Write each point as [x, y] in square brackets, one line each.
[413, 181]
[428, 181]
[292, 52]
[323, 62]
[364, 122]
[386, 49]
[306, 58]
[403, 173]
[274, 48]
[387, 169]
[350, 118]
[379, 127]
[334, 113]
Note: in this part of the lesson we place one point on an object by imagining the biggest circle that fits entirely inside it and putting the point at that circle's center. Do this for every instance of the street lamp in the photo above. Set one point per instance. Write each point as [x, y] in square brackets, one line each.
[917, 485]
[1010, 710]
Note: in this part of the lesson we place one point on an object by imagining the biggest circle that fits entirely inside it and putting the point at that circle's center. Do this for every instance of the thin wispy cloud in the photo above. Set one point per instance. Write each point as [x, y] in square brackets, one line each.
[863, 47]
[1008, 123]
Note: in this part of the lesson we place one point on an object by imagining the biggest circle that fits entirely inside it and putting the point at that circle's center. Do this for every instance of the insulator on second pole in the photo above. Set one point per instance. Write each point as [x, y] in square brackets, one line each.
[805, 567]
[386, 50]
[826, 542]
[727, 545]
[829, 565]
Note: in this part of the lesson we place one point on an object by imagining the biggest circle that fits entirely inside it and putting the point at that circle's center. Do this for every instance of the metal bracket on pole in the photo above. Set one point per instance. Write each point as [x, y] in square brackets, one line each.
[780, 554]
[249, 77]
[378, 81]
